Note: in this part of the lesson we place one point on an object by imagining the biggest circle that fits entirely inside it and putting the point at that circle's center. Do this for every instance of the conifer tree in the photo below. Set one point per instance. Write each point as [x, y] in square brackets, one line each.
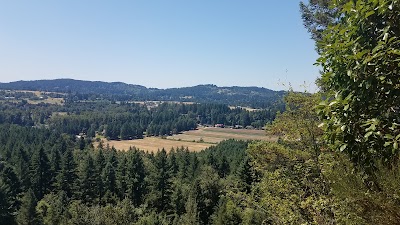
[6, 216]
[245, 175]
[40, 173]
[109, 178]
[173, 164]
[21, 167]
[87, 180]
[161, 182]
[121, 177]
[27, 212]
[135, 177]
[223, 167]
[191, 215]
[99, 165]
[67, 176]
[55, 166]
[9, 191]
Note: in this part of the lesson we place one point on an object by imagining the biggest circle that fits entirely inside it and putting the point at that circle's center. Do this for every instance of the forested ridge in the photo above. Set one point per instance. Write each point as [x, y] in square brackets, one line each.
[336, 160]
[117, 91]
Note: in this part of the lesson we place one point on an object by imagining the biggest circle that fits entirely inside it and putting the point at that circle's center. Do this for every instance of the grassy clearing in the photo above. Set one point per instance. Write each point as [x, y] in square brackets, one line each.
[195, 140]
[152, 144]
[216, 135]
[56, 101]
[39, 94]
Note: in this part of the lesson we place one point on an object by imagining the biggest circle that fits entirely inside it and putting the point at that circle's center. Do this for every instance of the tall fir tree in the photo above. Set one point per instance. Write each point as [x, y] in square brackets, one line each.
[40, 173]
[136, 177]
[121, 177]
[87, 180]
[100, 163]
[161, 182]
[55, 166]
[109, 179]
[67, 176]
[27, 212]
[21, 166]
[9, 193]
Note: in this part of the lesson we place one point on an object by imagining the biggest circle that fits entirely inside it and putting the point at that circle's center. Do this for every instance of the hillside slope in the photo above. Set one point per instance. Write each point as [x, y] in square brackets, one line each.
[241, 96]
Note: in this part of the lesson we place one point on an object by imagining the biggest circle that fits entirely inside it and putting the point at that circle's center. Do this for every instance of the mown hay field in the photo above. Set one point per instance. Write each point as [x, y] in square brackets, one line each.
[195, 140]
[215, 135]
[153, 144]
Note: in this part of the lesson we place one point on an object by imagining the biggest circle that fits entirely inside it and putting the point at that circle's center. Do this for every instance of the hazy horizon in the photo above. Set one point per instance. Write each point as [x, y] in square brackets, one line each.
[148, 86]
[158, 44]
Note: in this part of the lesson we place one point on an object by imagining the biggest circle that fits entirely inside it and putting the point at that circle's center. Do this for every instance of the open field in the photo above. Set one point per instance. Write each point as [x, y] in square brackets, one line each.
[195, 140]
[56, 101]
[216, 135]
[39, 94]
[152, 144]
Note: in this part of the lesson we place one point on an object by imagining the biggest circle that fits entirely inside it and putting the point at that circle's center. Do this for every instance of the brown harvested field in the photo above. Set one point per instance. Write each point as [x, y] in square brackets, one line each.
[195, 140]
[49, 100]
[152, 144]
[216, 135]
[57, 101]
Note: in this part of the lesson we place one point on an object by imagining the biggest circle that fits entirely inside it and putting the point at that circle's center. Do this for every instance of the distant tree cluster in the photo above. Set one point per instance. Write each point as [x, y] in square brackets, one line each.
[128, 120]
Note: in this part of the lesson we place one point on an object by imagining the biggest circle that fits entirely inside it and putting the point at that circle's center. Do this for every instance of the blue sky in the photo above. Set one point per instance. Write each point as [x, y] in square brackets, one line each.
[157, 43]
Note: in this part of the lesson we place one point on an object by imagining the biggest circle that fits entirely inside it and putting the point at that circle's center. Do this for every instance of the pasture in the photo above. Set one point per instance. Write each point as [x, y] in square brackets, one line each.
[153, 144]
[195, 140]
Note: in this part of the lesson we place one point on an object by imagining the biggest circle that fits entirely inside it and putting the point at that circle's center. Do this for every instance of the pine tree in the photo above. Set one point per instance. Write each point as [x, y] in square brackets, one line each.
[192, 215]
[245, 175]
[121, 177]
[194, 165]
[40, 173]
[67, 176]
[55, 166]
[9, 191]
[109, 178]
[10, 181]
[173, 164]
[207, 188]
[223, 167]
[178, 199]
[135, 177]
[21, 166]
[6, 216]
[27, 212]
[184, 163]
[99, 165]
[87, 180]
[161, 182]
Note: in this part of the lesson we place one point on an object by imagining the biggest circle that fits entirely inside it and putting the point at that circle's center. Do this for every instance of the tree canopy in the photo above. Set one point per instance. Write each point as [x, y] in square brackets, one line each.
[360, 59]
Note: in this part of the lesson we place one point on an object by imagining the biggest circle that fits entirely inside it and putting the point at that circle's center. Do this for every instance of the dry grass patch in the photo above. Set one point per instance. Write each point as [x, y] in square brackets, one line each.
[55, 101]
[216, 135]
[153, 144]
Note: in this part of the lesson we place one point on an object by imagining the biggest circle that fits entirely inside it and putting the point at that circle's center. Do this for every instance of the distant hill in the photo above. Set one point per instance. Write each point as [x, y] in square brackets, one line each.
[255, 97]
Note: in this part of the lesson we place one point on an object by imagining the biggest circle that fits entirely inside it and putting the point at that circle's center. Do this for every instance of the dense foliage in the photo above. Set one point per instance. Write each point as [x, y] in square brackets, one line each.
[360, 60]
[129, 120]
[46, 178]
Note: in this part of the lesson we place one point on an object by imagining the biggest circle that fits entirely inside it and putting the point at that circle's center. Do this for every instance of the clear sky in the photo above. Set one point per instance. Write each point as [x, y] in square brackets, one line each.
[157, 43]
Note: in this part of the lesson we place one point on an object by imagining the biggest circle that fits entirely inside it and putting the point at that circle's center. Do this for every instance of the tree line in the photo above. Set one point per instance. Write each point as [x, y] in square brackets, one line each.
[128, 120]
